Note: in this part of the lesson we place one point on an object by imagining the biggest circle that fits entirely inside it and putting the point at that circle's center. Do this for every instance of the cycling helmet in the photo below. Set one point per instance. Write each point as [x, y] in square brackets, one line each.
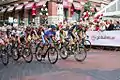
[53, 26]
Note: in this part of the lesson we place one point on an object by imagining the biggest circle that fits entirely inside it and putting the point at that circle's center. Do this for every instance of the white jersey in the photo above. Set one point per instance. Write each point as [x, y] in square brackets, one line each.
[1, 41]
[57, 35]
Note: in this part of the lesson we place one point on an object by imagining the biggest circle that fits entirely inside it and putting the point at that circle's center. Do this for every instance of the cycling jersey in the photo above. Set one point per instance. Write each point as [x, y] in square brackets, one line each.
[47, 34]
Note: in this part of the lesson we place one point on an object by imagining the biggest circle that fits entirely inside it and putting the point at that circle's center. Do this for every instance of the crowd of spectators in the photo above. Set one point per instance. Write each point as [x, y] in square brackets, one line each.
[106, 25]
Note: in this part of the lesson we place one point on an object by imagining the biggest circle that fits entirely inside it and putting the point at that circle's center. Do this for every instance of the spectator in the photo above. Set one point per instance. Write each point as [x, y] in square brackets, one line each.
[60, 25]
[97, 27]
[102, 26]
[111, 26]
[117, 25]
[91, 27]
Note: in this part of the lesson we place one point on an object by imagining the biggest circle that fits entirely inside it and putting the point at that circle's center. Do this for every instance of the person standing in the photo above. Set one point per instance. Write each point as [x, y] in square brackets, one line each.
[111, 26]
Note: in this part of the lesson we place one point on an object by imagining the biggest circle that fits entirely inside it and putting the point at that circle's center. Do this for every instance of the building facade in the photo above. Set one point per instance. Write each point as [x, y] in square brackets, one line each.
[17, 12]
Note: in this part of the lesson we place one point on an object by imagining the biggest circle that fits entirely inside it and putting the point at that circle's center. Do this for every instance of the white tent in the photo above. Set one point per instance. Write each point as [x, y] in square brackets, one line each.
[111, 10]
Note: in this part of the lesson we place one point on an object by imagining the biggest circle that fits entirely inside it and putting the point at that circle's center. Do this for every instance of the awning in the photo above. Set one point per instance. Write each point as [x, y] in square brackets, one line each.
[77, 6]
[19, 7]
[41, 3]
[3, 10]
[66, 4]
[29, 5]
[10, 9]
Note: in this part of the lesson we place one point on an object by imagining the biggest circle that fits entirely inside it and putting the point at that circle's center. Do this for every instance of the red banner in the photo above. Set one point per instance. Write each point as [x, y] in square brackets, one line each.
[34, 10]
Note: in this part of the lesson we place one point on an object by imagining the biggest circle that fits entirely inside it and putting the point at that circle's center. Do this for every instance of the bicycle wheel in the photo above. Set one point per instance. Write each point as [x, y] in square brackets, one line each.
[63, 53]
[32, 47]
[9, 49]
[38, 53]
[27, 55]
[80, 54]
[52, 55]
[87, 44]
[4, 57]
[15, 53]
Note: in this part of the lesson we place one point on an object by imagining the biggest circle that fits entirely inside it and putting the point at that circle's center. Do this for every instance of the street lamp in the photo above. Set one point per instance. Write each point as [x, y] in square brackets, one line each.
[40, 13]
[47, 14]
[43, 13]
[46, 9]
[44, 5]
[41, 9]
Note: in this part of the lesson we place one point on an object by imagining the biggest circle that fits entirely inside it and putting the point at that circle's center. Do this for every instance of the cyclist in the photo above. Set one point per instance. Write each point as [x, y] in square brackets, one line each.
[49, 34]
[47, 37]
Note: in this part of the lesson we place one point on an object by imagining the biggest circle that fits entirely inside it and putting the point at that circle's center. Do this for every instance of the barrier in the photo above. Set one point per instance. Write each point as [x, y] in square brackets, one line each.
[104, 38]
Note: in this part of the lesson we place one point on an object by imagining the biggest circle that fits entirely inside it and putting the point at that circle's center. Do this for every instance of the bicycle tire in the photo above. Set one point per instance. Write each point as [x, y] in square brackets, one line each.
[5, 56]
[9, 49]
[88, 47]
[63, 51]
[38, 53]
[15, 53]
[29, 54]
[79, 51]
[49, 57]
[32, 47]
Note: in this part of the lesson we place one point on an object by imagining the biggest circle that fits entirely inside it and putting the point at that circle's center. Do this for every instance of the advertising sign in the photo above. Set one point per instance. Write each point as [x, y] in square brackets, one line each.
[104, 38]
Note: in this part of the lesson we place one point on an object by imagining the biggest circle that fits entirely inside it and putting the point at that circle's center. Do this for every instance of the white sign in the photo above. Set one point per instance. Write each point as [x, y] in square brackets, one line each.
[52, 19]
[60, 13]
[37, 20]
[105, 38]
[10, 20]
[26, 21]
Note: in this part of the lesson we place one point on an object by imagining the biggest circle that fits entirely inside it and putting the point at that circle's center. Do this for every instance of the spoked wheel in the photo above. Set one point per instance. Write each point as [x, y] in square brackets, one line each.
[63, 53]
[80, 54]
[27, 55]
[15, 53]
[4, 57]
[32, 47]
[38, 53]
[52, 55]
[9, 49]
[87, 45]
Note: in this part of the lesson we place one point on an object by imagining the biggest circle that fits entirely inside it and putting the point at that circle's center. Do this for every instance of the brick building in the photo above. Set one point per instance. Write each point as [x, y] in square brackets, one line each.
[41, 11]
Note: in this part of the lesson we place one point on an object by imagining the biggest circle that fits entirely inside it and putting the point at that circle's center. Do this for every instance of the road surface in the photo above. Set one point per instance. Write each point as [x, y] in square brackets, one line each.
[99, 65]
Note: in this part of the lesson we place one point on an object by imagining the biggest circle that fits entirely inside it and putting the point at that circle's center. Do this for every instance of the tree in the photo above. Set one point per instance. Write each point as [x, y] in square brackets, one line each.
[87, 6]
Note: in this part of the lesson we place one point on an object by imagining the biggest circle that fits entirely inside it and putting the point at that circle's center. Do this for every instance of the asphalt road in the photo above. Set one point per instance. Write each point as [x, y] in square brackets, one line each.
[99, 65]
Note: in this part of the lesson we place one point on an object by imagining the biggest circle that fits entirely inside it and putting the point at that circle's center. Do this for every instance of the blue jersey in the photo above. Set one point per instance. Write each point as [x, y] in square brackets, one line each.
[49, 33]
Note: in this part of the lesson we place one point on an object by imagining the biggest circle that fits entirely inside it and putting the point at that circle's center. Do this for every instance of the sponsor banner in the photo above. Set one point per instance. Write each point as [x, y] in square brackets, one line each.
[104, 38]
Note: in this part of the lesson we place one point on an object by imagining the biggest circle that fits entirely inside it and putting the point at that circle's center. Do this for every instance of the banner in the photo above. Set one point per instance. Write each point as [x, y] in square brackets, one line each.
[34, 10]
[104, 38]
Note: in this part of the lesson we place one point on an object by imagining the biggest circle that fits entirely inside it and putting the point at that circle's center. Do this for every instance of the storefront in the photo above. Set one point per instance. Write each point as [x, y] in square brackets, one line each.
[76, 8]
[72, 10]
[19, 11]
[28, 18]
[10, 13]
[3, 17]
[42, 12]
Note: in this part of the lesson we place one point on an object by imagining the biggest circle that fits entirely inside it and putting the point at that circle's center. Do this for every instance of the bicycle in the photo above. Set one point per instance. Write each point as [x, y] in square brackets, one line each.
[60, 46]
[87, 43]
[50, 51]
[21, 51]
[77, 49]
[4, 54]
